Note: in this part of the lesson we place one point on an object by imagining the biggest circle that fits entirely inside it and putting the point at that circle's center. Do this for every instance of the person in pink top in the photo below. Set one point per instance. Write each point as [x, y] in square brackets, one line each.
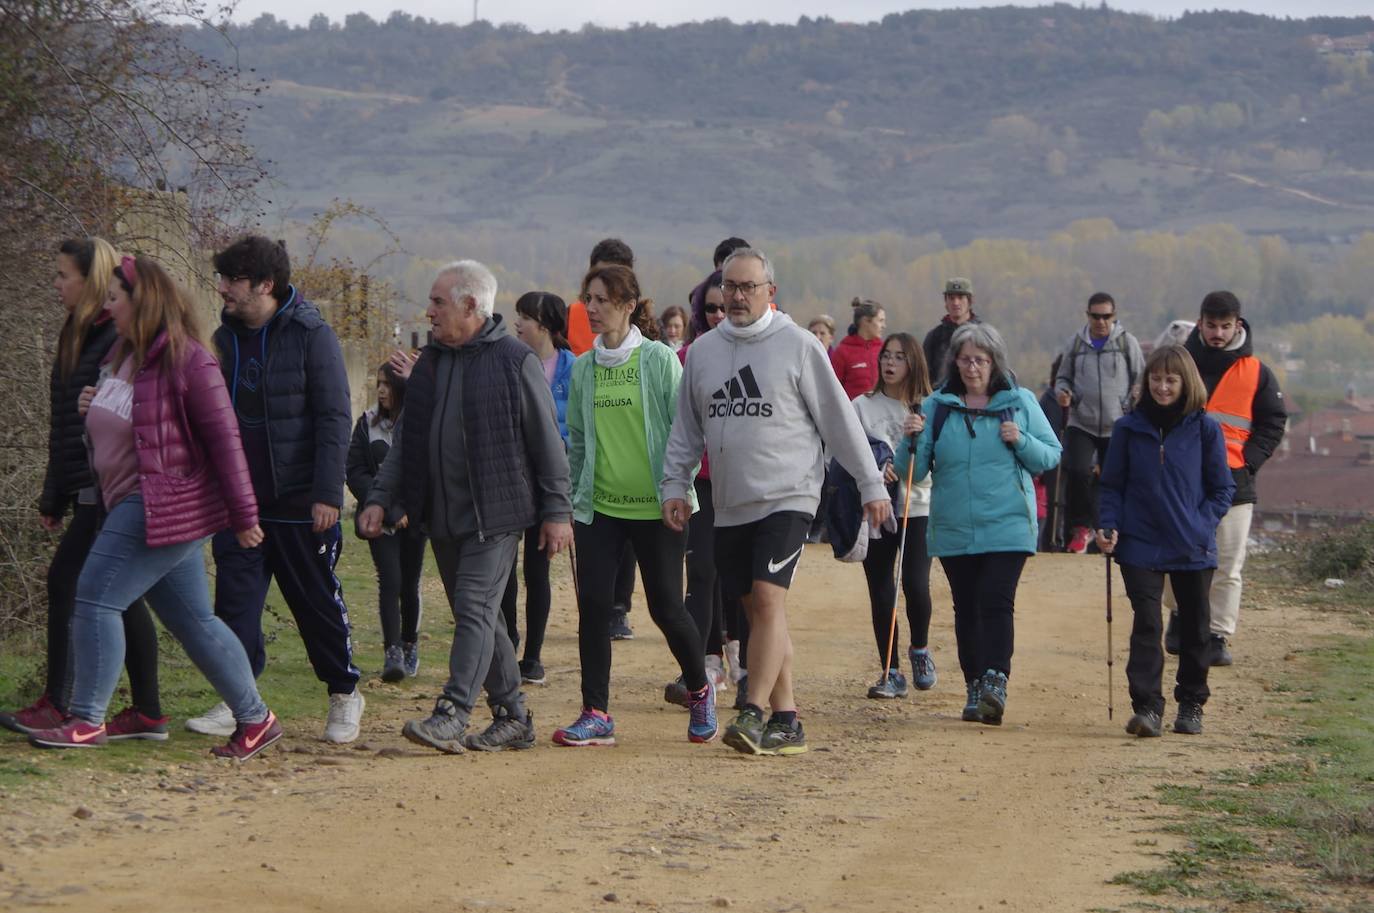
[855, 359]
[170, 469]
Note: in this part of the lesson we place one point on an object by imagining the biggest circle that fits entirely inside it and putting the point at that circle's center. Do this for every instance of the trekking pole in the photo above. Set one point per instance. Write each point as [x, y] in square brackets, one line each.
[901, 555]
[1109, 637]
[572, 563]
[1057, 529]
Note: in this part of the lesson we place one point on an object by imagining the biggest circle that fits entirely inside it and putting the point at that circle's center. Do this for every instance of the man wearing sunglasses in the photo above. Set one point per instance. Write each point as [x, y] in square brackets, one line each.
[1098, 380]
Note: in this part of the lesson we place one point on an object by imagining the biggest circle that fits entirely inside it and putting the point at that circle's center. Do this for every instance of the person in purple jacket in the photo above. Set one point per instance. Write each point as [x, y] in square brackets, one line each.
[170, 467]
[1164, 489]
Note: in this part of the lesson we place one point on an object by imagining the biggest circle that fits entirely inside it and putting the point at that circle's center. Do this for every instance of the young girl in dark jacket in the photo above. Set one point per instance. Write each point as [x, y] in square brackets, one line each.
[398, 556]
[1164, 488]
[171, 471]
[85, 269]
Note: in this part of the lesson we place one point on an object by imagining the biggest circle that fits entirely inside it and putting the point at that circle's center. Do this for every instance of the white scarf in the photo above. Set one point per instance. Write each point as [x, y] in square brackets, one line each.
[746, 332]
[614, 358]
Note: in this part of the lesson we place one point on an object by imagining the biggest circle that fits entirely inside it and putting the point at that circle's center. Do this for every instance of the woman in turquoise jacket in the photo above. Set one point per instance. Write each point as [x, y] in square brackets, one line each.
[984, 438]
[541, 320]
[620, 409]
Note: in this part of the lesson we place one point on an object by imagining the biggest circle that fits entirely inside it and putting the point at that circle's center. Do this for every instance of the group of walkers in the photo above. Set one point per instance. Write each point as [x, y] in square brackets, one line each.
[692, 445]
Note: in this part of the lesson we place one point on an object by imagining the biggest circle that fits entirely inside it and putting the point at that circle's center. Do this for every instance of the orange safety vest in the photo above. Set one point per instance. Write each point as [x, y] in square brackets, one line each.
[1232, 404]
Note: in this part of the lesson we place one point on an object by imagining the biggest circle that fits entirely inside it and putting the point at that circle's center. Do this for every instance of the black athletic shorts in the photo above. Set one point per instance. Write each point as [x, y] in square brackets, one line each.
[768, 550]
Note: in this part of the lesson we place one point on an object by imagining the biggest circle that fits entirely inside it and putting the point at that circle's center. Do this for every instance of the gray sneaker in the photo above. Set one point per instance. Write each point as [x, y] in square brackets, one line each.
[1189, 719]
[442, 730]
[1145, 723]
[783, 739]
[745, 734]
[218, 720]
[345, 716]
[504, 732]
[393, 665]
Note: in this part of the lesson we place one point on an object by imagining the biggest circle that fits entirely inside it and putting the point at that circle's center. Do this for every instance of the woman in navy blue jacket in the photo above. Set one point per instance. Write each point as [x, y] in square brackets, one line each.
[1164, 488]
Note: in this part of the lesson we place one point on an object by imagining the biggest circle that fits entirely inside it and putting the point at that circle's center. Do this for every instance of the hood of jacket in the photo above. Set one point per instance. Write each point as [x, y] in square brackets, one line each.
[494, 329]
[294, 308]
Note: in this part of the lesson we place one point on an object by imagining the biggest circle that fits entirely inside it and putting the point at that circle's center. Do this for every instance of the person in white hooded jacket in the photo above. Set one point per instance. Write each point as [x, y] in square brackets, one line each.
[759, 396]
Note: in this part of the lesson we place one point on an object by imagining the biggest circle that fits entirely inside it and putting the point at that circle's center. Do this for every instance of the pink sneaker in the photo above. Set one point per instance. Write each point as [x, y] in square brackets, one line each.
[249, 739]
[73, 733]
[130, 723]
[41, 714]
[1079, 543]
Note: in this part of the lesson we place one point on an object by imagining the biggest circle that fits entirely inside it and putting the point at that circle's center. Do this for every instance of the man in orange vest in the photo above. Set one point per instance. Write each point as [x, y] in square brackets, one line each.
[1244, 396]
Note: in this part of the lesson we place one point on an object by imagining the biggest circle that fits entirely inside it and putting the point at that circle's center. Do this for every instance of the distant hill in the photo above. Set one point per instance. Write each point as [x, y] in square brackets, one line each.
[964, 123]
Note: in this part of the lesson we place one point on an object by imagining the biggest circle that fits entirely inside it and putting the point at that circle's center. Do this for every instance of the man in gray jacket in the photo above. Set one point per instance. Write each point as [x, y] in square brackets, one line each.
[477, 460]
[758, 395]
[1098, 381]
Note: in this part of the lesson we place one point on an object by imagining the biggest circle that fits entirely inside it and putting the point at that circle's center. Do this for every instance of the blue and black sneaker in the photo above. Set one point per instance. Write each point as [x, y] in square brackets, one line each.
[971, 714]
[890, 686]
[992, 697]
[702, 725]
[922, 668]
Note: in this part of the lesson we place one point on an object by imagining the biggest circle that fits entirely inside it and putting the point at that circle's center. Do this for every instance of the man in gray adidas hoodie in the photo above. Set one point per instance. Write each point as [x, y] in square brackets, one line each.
[758, 395]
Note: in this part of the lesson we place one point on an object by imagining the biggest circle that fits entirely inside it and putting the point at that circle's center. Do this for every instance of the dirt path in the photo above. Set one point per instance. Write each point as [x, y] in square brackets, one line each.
[897, 803]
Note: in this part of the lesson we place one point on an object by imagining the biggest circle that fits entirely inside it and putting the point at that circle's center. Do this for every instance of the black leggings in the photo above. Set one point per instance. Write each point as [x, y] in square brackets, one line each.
[659, 552]
[704, 601]
[625, 579]
[538, 597]
[882, 588]
[140, 634]
[1145, 665]
[984, 590]
[400, 563]
[1082, 451]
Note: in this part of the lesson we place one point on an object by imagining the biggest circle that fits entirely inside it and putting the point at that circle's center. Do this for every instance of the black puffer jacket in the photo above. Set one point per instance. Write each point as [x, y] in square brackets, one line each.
[1269, 418]
[308, 408]
[69, 467]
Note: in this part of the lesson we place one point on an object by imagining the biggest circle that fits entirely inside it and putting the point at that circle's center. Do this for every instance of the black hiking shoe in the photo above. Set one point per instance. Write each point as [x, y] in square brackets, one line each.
[1172, 643]
[675, 692]
[992, 697]
[1189, 719]
[505, 732]
[1146, 724]
[620, 624]
[971, 714]
[532, 672]
[1218, 653]
[393, 665]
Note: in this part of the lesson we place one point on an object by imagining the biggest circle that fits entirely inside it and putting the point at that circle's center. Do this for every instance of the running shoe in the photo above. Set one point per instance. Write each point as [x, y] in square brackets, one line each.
[1217, 653]
[971, 713]
[41, 714]
[505, 732]
[249, 739]
[890, 686]
[675, 692]
[1145, 723]
[443, 730]
[411, 652]
[992, 697]
[745, 734]
[218, 720]
[620, 625]
[702, 725]
[73, 733]
[1188, 721]
[592, 728]
[393, 665]
[130, 723]
[1078, 544]
[922, 668]
[783, 738]
[532, 672]
[345, 717]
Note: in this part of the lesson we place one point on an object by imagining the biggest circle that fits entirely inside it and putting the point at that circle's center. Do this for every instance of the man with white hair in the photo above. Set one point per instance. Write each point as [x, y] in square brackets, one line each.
[477, 460]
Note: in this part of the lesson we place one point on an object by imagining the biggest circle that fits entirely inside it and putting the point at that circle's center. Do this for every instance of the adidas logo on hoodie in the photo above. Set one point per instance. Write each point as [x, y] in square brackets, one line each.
[740, 396]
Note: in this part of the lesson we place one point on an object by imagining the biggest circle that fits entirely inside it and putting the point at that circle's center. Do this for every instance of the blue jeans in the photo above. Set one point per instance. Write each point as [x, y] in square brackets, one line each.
[120, 568]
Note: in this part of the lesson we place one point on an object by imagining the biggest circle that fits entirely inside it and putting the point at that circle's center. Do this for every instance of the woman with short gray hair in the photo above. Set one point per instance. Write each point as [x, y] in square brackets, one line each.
[984, 438]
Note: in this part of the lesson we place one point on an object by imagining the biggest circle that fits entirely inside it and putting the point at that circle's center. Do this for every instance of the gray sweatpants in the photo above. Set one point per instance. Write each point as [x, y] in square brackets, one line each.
[474, 574]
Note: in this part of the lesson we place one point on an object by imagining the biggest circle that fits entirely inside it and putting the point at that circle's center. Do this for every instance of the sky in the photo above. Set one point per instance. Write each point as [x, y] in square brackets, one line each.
[553, 15]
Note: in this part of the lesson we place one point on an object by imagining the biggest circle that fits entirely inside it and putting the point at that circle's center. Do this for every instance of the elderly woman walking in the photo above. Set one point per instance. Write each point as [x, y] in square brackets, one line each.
[984, 438]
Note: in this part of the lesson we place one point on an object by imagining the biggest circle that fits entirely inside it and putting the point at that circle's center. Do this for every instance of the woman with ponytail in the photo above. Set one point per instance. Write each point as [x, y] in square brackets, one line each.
[541, 320]
[620, 409]
[84, 270]
[855, 359]
[169, 463]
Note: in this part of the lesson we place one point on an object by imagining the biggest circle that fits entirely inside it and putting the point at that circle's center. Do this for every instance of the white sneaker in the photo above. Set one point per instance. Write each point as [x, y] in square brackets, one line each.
[345, 713]
[218, 720]
[715, 673]
[732, 654]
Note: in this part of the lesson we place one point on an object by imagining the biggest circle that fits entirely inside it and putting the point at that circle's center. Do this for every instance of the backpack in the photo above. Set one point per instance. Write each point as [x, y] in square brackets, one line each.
[941, 415]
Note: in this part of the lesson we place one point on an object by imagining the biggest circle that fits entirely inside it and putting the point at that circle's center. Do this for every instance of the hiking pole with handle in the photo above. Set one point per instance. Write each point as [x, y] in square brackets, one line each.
[1109, 533]
[901, 555]
[1057, 528]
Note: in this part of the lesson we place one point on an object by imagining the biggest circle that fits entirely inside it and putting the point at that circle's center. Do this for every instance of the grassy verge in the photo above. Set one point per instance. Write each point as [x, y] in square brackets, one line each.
[288, 684]
[1296, 834]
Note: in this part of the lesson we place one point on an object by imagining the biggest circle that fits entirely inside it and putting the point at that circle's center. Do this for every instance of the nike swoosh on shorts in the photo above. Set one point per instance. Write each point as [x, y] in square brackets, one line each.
[775, 566]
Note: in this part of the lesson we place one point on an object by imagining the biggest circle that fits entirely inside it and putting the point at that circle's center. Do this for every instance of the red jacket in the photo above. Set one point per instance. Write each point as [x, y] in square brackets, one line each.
[855, 361]
[191, 469]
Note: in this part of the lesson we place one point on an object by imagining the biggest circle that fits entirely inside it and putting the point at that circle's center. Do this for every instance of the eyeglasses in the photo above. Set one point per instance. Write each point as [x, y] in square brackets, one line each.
[892, 356]
[1095, 316]
[749, 288]
[229, 280]
[972, 361]
[714, 308]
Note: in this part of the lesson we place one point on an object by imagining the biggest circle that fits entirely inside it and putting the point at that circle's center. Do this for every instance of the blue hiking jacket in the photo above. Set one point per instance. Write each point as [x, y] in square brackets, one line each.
[982, 498]
[1166, 497]
[562, 383]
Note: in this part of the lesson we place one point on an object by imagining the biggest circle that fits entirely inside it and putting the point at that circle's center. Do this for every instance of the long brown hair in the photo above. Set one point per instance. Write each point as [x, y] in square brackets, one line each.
[158, 304]
[622, 286]
[916, 387]
[96, 260]
[1174, 359]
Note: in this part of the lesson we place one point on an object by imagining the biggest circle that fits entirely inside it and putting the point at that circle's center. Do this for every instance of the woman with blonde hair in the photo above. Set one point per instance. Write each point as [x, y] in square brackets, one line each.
[169, 464]
[85, 268]
[1165, 487]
